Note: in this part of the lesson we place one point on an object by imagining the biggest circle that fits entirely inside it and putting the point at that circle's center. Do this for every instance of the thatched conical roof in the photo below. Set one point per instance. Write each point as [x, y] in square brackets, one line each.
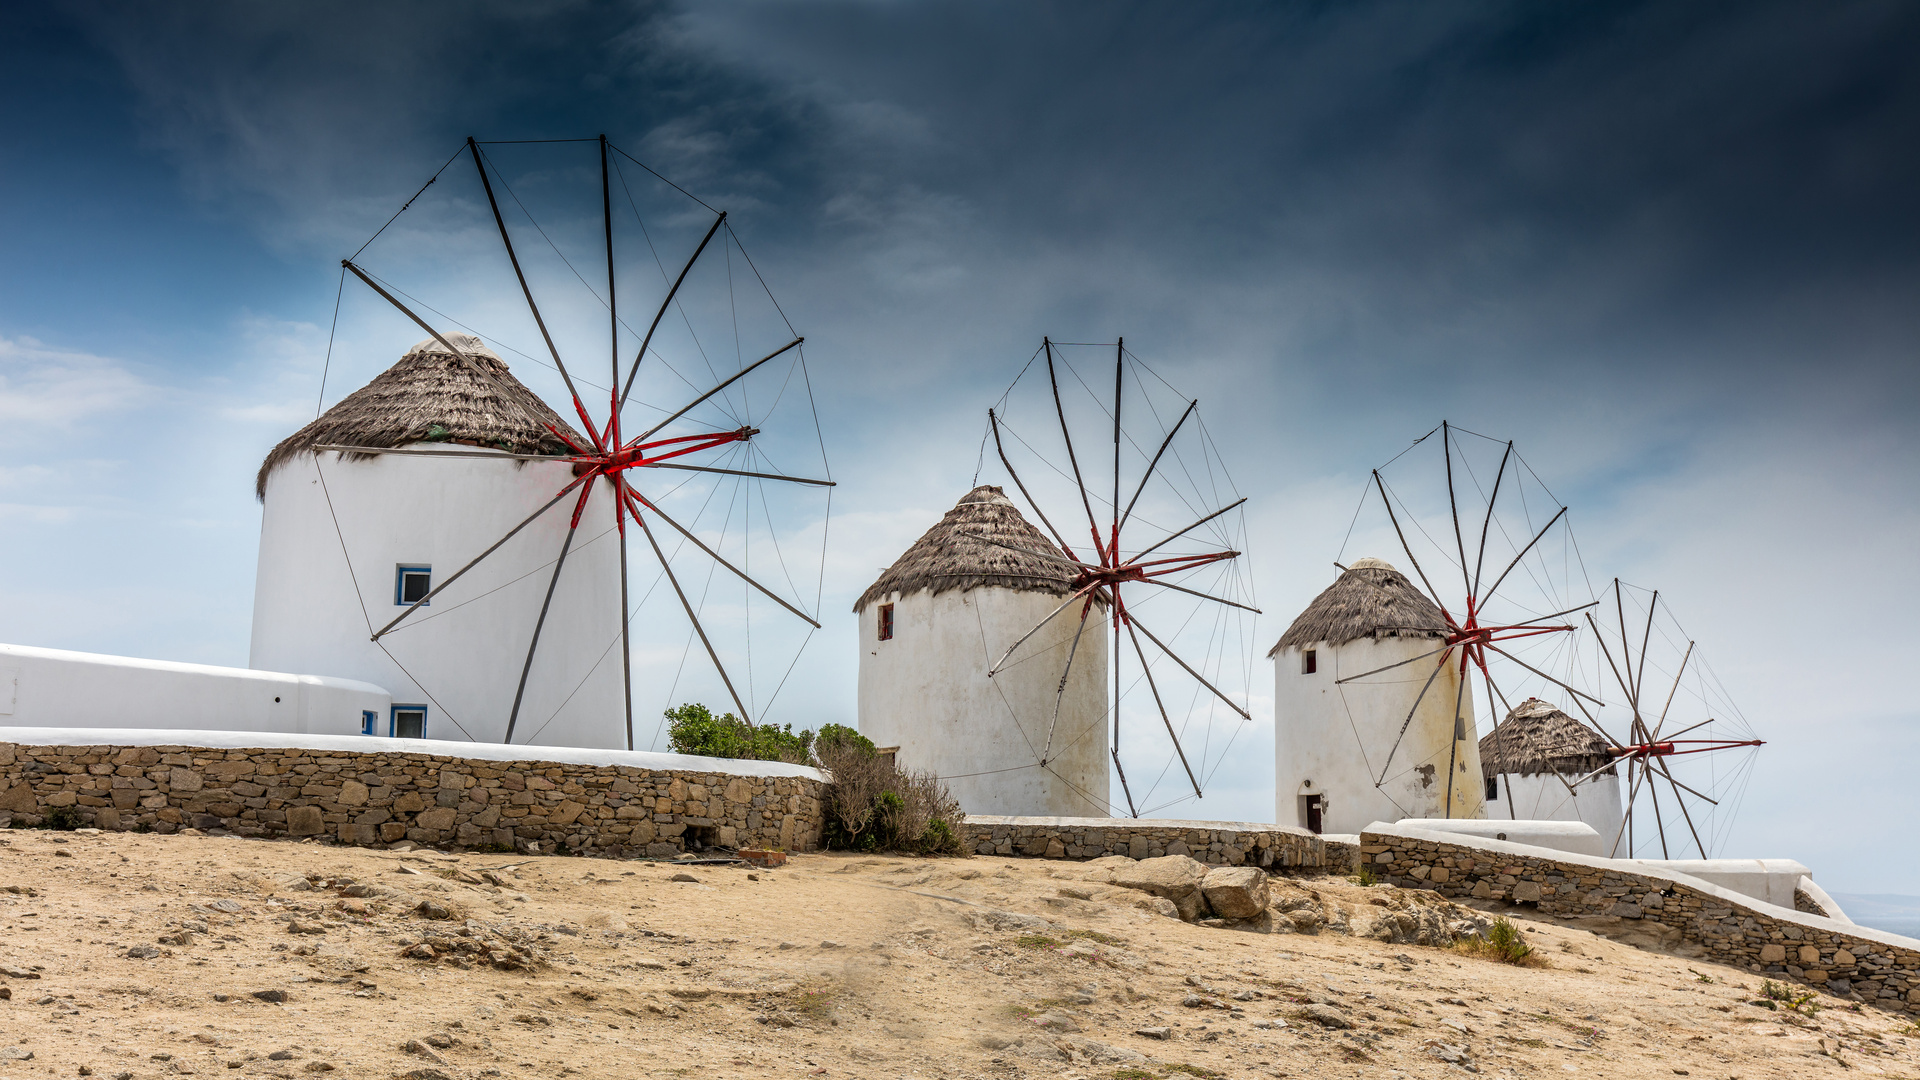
[1538, 738]
[433, 396]
[953, 554]
[1370, 599]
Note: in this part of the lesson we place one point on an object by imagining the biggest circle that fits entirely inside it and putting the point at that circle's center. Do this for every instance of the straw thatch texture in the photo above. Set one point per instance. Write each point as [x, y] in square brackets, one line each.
[1371, 599]
[952, 555]
[1538, 738]
[433, 396]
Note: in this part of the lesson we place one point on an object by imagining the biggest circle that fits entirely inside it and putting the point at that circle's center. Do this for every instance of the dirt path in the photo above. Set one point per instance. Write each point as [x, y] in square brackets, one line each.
[149, 957]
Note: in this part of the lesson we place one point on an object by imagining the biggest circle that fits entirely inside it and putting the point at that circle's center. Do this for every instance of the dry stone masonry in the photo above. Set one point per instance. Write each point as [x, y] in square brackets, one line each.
[1840, 958]
[385, 797]
[1218, 843]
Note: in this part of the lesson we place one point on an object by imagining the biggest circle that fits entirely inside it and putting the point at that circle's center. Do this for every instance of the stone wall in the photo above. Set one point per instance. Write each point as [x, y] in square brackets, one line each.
[1839, 957]
[1221, 843]
[381, 796]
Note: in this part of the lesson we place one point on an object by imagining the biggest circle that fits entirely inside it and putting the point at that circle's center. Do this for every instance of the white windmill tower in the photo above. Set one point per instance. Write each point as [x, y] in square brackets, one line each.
[932, 626]
[1544, 765]
[349, 542]
[1396, 745]
[444, 533]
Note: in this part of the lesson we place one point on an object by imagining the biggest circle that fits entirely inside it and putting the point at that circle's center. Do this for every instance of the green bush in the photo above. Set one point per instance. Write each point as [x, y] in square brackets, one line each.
[693, 729]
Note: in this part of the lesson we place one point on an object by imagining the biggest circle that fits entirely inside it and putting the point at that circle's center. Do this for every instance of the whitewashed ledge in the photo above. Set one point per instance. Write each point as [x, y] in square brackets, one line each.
[372, 744]
[367, 790]
[1220, 843]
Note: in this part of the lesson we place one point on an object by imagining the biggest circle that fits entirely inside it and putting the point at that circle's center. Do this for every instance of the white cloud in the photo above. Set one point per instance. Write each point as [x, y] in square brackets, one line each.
[42, 387]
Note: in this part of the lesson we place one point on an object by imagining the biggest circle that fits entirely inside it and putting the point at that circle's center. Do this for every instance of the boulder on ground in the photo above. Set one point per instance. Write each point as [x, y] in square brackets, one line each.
[1174, 877]
[1235, 892]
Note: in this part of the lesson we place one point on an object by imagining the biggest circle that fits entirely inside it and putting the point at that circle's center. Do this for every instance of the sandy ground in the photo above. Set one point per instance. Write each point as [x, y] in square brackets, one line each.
[141, 956]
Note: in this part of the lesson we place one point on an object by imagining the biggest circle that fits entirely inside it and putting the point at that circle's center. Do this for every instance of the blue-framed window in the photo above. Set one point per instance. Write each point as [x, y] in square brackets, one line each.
[369, 722]
[411, 583]
[408, 722]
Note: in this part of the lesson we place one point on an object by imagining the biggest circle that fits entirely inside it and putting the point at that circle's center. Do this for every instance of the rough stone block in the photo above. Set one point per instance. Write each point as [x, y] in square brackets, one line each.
[305, 821]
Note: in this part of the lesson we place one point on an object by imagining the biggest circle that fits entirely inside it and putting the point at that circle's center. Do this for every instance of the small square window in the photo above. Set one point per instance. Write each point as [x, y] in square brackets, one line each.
[411, 584]
[886, 622]
[369, 722]
[409, 721]
[1493, 789]
[1309, 662]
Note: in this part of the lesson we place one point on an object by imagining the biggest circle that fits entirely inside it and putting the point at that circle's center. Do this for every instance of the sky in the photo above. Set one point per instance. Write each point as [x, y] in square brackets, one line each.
[1669, 250]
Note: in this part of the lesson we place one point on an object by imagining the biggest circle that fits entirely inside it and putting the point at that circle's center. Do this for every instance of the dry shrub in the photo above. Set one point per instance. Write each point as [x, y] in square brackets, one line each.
[873, 805]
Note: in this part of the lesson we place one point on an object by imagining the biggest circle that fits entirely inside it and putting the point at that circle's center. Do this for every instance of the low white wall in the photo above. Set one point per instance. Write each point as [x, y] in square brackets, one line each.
[357, 744]
[1575, 836]
[55, 689]
[1772, 880]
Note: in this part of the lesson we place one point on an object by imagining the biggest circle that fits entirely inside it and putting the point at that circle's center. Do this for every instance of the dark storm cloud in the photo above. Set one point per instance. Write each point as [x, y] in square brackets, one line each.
[1670, 248]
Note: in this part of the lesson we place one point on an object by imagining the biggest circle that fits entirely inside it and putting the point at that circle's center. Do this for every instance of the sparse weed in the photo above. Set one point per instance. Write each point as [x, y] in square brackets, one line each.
[1365, 878]
[1095, 936]
[1801, 1001]
[1131, 1073]
[1701, 976]
[1193, 1070]
[1503, 943]
[1036, 941]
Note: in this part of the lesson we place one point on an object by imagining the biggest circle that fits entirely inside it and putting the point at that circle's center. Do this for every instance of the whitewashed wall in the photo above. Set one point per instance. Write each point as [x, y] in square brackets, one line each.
[1544, 797]
[1337, 744]
[54, 688]
[460, 656]
[927, 692]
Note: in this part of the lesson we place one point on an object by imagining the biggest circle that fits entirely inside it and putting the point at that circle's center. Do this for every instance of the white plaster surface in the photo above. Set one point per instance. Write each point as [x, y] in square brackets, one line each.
[1786, 913]
[360, 744]
[57, 689]
[1828, 903]
[1772, 880]
[1575, 836]
[315, 606]
[1126, 823]
[1545, 797]
[926, 691]
[1336, 740]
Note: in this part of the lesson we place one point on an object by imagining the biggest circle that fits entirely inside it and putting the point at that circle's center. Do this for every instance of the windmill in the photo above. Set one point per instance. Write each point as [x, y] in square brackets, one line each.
[1669, 693]
[710, 431]
[1520, 583]
[1162, 536]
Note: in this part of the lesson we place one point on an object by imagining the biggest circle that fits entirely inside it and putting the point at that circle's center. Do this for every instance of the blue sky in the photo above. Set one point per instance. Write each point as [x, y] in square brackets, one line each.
[1671, 252]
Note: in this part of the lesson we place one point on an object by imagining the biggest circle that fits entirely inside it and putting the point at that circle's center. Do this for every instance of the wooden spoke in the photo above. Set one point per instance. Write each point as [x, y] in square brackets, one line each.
[716, 557]
[511, 533]
[1201, 679]
[738, 472]
[526, 291]
[1480, 560]
[1174, 536]
[1201, 595]
[1523, 554]
[506, 397]
[994, 423]
[1404, 546]
[1061, 412]
[520, 692]
[735, 377]
[1453, 505]
[1151, 465]
[1408, 722]
[664, 304]
[626, 612]
[1147, 670]
[995, 669]
[1390, 667]
[1060, 691]
[687, 605]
